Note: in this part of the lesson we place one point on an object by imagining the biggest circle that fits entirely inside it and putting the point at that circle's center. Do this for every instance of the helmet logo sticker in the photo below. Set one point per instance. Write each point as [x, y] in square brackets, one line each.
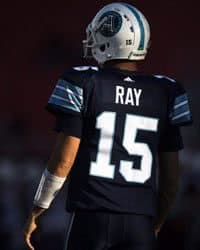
[110, 23]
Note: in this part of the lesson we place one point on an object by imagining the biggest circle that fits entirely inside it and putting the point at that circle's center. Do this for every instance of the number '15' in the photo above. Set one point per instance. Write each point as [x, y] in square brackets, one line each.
[102, 166]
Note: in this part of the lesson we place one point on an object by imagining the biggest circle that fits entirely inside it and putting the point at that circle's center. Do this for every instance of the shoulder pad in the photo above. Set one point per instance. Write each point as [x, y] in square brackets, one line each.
[77, 75]
[85, 68]
[164, 78]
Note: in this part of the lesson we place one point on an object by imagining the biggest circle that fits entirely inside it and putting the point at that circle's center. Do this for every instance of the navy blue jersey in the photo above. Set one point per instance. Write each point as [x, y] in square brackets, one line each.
[124, 119]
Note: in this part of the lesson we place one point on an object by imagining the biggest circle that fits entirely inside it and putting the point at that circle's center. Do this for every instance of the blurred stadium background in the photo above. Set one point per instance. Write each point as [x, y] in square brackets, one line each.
[39, 40]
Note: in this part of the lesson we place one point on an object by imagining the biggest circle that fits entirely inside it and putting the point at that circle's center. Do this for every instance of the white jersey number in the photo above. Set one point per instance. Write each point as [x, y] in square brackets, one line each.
[133, 123]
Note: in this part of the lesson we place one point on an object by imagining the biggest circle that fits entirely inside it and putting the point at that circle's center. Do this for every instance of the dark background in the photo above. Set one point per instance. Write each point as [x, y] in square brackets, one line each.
[39, 40]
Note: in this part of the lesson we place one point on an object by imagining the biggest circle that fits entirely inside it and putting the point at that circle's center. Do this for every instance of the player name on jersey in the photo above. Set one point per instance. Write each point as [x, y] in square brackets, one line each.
[127, 96]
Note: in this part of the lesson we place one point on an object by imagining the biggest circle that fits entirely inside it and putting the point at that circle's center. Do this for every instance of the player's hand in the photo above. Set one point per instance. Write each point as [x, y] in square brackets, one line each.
[30, 227]
[157, 230]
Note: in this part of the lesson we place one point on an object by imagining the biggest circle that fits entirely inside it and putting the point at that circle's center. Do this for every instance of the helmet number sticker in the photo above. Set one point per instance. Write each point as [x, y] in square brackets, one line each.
[129, 42]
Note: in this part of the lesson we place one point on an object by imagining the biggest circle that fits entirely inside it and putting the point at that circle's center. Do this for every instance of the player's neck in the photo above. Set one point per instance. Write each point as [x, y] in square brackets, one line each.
[122, 65]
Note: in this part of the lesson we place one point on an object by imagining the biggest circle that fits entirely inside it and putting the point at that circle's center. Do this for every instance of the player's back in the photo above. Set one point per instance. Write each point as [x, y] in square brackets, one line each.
[125, 116]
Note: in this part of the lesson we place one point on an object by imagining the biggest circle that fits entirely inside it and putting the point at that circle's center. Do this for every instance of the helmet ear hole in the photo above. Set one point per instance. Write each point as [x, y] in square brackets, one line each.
[108, 45]
[102, 48]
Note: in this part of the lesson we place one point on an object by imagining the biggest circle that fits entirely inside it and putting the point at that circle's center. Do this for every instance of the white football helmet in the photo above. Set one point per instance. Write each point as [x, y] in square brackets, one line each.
[118, 31]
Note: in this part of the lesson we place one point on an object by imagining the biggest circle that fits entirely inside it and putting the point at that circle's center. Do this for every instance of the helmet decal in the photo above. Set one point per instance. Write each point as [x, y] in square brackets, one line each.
[110, 23]
[135, 13]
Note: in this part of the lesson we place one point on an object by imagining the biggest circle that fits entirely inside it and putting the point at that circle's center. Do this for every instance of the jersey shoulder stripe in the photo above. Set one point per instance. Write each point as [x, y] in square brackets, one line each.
[67, 96]
[181, 111]
[179, 108]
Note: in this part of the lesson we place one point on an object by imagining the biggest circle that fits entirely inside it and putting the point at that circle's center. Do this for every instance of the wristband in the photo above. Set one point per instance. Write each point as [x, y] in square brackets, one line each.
[48, 188]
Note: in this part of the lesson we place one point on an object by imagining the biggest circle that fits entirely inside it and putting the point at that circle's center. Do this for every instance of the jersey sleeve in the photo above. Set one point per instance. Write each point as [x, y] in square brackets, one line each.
[66, 98]
[179, 108]
[171, 140]
[69, 100]
[66, 103]
[179, 114]
[69, 124]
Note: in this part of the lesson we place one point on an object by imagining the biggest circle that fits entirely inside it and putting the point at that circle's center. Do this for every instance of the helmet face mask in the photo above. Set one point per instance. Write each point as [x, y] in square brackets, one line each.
[118, 31]
[88, 43]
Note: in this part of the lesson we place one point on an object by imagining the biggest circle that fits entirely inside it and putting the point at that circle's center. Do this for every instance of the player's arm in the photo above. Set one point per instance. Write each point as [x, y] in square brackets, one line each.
[169, 172]
[170, 143]
[52, 180]
[67, 103]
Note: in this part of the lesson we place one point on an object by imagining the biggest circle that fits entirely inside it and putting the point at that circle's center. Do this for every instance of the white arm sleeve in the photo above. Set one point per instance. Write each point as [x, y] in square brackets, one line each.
[48, 189]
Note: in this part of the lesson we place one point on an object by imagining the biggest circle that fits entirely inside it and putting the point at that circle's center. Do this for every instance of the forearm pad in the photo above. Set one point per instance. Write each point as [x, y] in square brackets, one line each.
[48, 188]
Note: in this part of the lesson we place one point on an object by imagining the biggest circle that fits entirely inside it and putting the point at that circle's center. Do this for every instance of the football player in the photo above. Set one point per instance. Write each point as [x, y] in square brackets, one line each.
[115, 126]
